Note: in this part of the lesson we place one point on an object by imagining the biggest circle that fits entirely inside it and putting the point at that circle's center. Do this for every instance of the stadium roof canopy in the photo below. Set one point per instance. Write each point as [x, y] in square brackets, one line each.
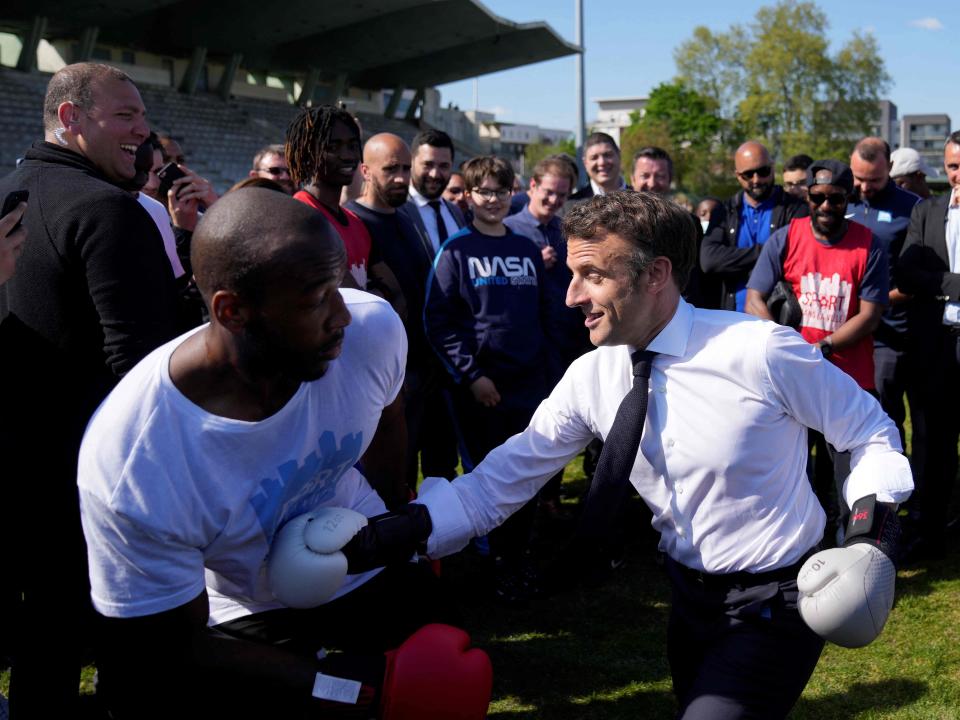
[374, 43]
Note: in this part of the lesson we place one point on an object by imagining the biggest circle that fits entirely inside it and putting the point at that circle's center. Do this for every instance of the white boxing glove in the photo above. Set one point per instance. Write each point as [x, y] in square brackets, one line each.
[846, 593]
[305, 566]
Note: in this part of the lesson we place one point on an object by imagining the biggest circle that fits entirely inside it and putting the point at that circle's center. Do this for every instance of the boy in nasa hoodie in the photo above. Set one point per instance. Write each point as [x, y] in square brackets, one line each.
[485, 316]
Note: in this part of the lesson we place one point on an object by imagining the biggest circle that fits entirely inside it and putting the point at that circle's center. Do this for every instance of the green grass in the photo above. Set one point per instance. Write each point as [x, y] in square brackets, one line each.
[602, 653]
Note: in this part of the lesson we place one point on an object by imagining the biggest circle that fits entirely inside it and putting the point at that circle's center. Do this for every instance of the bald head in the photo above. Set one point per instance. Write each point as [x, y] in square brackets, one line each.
[754, 172]
[386, 172]
[253, 237]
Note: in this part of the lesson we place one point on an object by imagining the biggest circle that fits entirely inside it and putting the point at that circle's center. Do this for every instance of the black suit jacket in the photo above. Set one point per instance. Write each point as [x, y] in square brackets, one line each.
[923, 271]
[412, 212]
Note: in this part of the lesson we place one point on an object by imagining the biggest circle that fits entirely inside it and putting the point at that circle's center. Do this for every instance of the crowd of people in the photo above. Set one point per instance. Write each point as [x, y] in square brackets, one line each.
[224, 405]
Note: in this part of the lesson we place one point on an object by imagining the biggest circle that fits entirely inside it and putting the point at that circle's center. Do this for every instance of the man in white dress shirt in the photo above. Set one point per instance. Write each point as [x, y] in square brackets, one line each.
[721, 462]
[436, 218]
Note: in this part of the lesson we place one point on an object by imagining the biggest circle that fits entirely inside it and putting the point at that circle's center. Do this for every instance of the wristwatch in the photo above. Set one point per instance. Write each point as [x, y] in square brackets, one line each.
[826, 347]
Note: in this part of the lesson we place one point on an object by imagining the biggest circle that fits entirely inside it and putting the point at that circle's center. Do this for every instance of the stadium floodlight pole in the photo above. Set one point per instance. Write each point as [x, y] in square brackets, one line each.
[581, 99]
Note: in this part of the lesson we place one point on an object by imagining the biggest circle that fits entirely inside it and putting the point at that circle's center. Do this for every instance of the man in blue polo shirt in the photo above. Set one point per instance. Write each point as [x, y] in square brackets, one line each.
[885, 208]
[731, 249]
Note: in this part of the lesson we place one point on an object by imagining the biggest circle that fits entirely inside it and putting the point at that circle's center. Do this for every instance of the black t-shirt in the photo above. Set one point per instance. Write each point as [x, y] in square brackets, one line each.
[399, 244]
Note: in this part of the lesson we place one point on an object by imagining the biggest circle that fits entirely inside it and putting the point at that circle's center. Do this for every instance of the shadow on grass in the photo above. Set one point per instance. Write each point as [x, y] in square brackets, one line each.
[860, 697]
[921, 579]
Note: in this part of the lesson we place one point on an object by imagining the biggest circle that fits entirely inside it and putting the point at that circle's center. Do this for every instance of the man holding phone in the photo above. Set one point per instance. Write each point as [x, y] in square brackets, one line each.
[92, 295]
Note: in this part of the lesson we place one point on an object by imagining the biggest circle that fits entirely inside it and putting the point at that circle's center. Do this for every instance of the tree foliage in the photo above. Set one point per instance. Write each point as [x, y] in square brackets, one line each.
[535, 152]
[685, 124]
[776, 80]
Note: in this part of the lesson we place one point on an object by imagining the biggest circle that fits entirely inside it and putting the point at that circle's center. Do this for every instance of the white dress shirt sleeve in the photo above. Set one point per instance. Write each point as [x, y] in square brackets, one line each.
[823, 397]
[475, 503]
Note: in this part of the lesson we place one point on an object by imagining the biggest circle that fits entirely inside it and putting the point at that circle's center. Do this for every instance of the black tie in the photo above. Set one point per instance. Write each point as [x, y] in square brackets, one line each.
[441, 225]
[611, 480]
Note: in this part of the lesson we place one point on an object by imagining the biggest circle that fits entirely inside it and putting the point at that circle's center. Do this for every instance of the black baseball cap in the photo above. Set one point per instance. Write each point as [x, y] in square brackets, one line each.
[830, 172]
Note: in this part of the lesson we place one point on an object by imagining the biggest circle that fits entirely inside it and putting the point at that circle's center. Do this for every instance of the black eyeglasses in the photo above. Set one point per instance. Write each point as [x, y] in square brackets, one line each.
[835, 199]
[489, 195]
[763, 171]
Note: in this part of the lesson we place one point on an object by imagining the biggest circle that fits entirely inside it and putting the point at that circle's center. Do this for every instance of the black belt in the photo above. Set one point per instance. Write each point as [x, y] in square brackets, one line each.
[722, 581]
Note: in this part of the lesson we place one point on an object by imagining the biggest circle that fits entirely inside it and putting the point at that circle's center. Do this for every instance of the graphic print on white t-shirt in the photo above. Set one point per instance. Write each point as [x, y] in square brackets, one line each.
[300, 487]
[825, 301]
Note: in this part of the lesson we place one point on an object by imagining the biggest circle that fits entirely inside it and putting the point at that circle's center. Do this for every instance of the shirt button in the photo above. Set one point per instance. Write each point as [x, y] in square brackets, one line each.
[679, 490]
[670, 443]
[681, 533]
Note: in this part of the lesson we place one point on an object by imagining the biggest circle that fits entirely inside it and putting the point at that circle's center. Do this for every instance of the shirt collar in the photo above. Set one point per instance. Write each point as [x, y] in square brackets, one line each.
[597, 190]
[419, 199]
[529, 218]
[672, 340]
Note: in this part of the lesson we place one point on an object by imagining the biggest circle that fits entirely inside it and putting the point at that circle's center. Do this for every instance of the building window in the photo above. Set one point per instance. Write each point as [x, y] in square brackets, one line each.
[101, 53]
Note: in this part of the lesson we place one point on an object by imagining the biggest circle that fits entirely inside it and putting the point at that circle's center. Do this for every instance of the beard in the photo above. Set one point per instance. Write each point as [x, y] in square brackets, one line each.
[759, 192]
[392, 197]
[827, 224]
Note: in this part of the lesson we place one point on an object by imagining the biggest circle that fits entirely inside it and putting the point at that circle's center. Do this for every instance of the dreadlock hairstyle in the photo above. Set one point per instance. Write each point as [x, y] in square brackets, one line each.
[307, 135]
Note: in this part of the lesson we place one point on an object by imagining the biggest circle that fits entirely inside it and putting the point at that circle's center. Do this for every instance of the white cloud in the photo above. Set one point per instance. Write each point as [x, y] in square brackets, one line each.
[870, 29]
[927, 23]
[501, 112]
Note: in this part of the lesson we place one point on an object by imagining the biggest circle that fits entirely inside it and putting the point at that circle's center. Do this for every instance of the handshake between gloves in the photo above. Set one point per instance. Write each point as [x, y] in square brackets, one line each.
[846, 593]
[313, 553]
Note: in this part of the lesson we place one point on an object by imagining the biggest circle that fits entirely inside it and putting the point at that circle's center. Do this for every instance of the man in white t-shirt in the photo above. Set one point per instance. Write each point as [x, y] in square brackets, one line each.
[212, 443]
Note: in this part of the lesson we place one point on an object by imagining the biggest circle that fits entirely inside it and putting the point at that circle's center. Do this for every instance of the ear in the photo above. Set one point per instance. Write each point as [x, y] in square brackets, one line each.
[229, 311]
[69, 116]
[533, 185]
[660, 274]
[365, 171]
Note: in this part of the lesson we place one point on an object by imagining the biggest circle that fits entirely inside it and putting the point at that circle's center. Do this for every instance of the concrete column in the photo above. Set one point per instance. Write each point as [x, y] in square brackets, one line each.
[310, 83]
[411, 113]
[27, 62]
[188, 86]
[391, 109]
[88, 41]
[339, 87]
[229, 73]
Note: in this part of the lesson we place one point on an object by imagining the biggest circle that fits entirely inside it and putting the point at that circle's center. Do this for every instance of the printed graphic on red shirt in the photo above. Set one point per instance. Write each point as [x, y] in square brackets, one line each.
[825, 301]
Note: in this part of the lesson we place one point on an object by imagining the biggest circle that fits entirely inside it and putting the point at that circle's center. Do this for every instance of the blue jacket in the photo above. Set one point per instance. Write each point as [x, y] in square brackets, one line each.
[485, 312]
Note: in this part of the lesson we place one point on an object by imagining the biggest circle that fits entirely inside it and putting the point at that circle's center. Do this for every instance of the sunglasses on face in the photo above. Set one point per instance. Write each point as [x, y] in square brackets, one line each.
[762, 172]
[835, 199]
[276, 171]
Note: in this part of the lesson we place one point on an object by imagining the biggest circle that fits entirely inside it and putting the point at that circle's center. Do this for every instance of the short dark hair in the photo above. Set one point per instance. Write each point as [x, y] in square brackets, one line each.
[475, 170]
[653, 153]
[433, 138]
[954, 139]
[275, 149]
[872, 149]
[798, 162]
[307, 135]
[600, 138]
[554, 165]
[75, 83]
[654, 226]
[154, 141]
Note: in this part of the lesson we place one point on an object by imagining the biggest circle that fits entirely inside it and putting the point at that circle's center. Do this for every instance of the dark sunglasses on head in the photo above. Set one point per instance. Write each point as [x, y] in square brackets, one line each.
[763, 171]
[835, 199]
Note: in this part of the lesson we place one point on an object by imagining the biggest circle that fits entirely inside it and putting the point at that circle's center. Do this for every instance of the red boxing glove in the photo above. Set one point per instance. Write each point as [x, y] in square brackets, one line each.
[435, 675]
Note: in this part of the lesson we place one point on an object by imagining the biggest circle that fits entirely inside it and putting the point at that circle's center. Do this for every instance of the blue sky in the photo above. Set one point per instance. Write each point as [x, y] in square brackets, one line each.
[630, 47]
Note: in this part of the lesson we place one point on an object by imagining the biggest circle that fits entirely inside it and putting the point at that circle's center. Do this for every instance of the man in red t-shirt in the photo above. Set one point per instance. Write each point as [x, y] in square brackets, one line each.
[839, 273]
[323, 153]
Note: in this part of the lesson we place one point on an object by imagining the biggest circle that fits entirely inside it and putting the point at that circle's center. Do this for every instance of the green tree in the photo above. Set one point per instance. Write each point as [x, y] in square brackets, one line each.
[535, 152]
[775, 80]
[685, 124]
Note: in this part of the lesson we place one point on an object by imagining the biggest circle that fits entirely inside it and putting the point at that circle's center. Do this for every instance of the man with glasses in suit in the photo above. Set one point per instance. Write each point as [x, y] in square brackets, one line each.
[731, 249]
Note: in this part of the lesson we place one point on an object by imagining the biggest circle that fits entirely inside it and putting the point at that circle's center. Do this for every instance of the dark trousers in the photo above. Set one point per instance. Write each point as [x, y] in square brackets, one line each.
[379, 615]
[939, 381]
[896, 376]
[481, 430]
[737, 646]
[431, 435]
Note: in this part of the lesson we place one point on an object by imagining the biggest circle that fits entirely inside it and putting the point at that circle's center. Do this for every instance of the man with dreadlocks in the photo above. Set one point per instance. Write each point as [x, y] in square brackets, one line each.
[323, 152]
